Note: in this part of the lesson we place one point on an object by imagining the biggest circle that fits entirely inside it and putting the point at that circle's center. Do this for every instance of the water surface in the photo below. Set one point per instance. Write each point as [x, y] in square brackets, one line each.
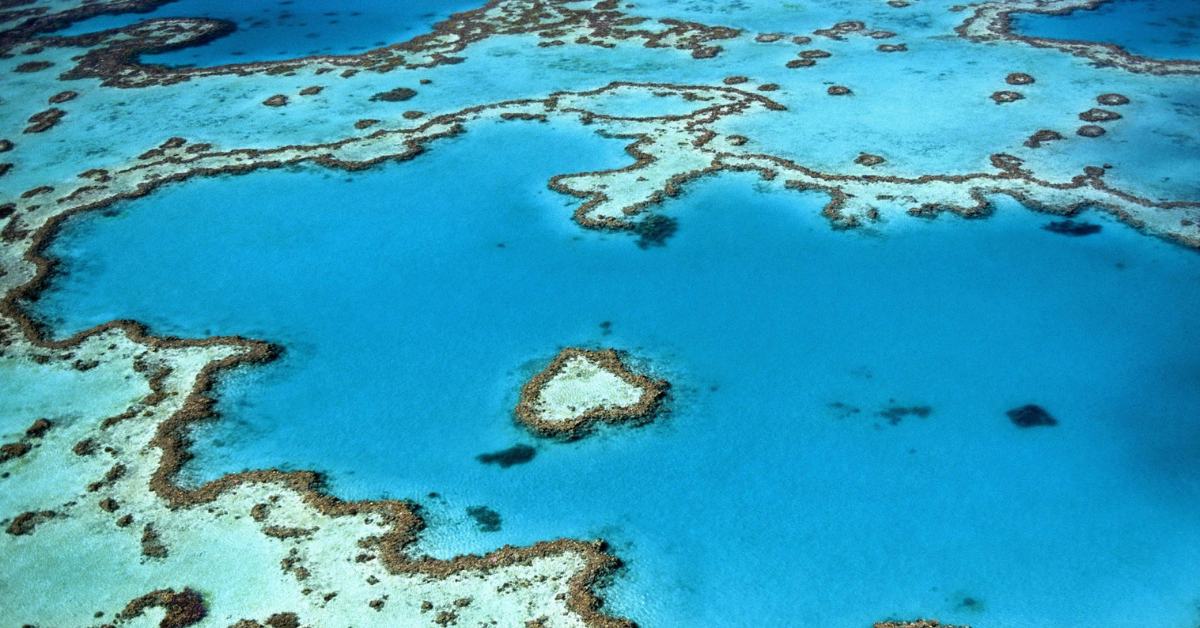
[414, 299]
[1164, 29]
[274, 30]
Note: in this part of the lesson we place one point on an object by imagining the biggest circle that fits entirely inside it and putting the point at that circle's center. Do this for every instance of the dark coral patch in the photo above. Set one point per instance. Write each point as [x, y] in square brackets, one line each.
[1112, 100]
[654, 230]
[1006, 96]
[62, 97]
[1031, 416]
[182, 609]
[1045, 135]
[1090, 130]
[505, 458]
[1073, 228]
[44, 120]
[25, 522]
[896, 414]
[487, 519]
[400, 94]
[9, 451]
[32, 66]
[283, 620]
[867, 159]
[1099, 115]
[1019, 78]
[38, 429]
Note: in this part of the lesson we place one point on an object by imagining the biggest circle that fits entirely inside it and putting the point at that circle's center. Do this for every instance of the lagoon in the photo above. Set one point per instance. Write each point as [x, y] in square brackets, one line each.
[414, 299]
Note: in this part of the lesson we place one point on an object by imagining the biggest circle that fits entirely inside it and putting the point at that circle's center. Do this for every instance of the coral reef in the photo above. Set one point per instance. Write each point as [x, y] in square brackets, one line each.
[581, 388]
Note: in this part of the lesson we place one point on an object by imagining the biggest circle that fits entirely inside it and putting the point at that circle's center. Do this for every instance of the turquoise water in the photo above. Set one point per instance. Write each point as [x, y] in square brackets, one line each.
[273, 30]
[414, 299]
[1164, 29]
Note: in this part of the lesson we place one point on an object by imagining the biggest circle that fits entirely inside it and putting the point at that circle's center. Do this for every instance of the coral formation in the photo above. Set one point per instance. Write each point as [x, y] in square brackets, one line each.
[1031, 416]
[581, 388]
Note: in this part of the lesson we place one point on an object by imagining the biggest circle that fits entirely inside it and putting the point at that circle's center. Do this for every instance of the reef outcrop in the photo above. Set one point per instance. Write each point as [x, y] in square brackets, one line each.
[1031, 416]
[867, 159]
[1006, 96]
[581, 388]
[916, 623]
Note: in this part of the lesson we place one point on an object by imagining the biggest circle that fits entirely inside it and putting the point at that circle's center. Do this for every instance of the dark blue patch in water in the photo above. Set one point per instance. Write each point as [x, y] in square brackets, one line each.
[1163, 29]
[268, 32]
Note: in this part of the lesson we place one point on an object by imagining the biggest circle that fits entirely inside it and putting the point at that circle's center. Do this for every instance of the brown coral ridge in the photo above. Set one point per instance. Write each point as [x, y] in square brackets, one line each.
[10, 451]
[26, 522]
[44, 120]
[451, 124]
[918, 623]
[114, 55]
[992, 21]
[1011, 169]
[32, 66]
[400, 94]
[654, 391]
[63, 97]
[152, 544]
[841, 29]
[1040, 137]
[38, 21]
[182, 609]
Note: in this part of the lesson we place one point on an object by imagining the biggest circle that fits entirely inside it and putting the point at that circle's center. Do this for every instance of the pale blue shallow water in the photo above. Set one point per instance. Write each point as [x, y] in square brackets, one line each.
[408, 331]
[273, 30]
[1165, 29]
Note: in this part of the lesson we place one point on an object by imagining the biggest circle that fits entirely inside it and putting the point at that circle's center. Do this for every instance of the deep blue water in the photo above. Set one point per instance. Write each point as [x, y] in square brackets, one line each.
[1165, 29]
[272, 30]
[756, 502]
